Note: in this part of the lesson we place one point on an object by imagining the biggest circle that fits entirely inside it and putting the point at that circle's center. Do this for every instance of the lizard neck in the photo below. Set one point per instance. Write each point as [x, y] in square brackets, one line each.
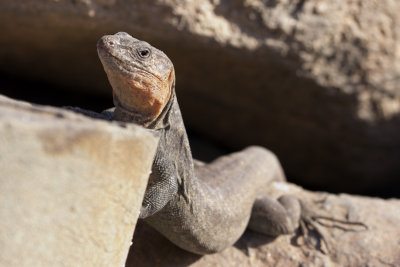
[175, 145]
[172, 174]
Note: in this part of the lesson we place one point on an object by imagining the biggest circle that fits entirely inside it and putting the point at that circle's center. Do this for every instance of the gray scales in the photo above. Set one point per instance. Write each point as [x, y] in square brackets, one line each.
[202, 208]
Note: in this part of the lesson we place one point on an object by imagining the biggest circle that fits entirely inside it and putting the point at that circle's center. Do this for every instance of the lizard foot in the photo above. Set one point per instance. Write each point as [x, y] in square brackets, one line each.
[309, 226]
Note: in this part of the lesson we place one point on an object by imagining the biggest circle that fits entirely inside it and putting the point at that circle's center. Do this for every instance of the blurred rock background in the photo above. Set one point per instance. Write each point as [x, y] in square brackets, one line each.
[315, 81]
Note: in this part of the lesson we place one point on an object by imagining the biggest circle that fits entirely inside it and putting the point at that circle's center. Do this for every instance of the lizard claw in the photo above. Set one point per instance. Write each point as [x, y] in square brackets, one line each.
[310, 229]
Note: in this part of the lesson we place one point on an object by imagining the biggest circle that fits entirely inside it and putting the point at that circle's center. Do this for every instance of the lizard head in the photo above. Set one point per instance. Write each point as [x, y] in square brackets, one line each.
[142, 77]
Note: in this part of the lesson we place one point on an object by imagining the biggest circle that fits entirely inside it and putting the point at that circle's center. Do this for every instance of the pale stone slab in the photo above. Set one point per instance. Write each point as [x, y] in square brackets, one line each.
[70, 187]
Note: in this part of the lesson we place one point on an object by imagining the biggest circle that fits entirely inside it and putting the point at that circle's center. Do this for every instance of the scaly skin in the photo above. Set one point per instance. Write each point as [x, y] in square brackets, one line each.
[202, 208]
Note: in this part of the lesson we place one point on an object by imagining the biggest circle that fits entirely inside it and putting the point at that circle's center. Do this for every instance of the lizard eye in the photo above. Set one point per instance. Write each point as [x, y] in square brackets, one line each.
[144, 52]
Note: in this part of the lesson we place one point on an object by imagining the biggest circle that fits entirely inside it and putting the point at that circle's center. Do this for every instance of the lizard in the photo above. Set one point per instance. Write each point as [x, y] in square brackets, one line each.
[200, 207]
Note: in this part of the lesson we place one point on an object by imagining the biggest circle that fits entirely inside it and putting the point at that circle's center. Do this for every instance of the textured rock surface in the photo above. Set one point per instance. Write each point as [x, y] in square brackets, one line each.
[315, 81]
[70, 187]
[377, 246]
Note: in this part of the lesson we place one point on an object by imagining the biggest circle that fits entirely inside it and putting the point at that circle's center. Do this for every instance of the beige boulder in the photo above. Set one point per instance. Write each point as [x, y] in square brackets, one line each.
[70, 187]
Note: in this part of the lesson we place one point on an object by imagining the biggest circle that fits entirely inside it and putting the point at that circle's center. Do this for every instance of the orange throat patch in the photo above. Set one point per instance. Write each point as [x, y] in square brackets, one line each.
[140, 92]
